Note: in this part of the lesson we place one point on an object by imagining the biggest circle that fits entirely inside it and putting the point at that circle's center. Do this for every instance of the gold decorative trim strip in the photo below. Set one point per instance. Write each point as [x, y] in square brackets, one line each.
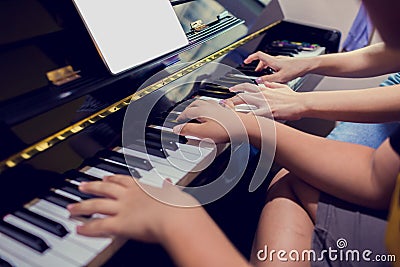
[62, 135]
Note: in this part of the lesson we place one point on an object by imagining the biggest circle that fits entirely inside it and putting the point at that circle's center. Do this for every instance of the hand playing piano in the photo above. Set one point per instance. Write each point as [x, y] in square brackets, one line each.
[274, 100]
[286, 68]
[218, 122]
[132, 210]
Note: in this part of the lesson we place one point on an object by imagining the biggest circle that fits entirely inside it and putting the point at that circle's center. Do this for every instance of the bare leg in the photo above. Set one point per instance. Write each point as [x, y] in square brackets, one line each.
[286, 222]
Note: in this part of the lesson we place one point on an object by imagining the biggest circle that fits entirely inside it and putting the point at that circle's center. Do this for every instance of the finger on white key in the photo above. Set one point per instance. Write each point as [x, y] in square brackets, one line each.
[54, 213]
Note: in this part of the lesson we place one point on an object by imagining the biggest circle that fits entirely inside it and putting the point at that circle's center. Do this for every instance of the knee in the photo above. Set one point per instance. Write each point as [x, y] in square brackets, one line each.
[306, 195]
[288, 186]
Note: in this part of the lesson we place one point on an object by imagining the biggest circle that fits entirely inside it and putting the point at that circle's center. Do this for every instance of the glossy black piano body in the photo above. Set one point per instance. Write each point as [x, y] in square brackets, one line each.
[38, 36]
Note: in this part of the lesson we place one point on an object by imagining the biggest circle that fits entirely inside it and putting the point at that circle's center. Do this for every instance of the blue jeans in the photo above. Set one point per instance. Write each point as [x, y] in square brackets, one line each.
[368, 134]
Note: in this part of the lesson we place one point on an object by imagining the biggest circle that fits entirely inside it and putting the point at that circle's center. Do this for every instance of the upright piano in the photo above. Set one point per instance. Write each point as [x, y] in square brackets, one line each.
[62, 114]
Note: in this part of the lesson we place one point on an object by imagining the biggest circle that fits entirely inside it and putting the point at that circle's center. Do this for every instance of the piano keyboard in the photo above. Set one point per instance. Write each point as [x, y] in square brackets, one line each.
[42, 233]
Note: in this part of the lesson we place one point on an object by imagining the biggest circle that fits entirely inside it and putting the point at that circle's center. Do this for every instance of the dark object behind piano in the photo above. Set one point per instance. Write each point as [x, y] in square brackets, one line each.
[328, 38]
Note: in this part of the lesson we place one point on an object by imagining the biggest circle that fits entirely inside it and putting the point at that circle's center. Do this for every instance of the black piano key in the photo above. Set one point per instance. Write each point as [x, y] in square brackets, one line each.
[157, 133]
[114, 168]
[80, 176]
[4, 263]
[132, 161]
[252, 64]
[235, 80]
[215, 87]
[74, 190]
[246, 69]
[42, 222]
[280, 53]
[269, 70]
[166, 138]
[166, 144]
[60, 200]
[170, 123]
[250, 72]
[247, 66]
[183, 105]
[222, 95]
[23, 237]
[164, 123]
[253, 73]
[293, 50]
[158, 152]
[229, 82]
[63, 202]
[169, 116]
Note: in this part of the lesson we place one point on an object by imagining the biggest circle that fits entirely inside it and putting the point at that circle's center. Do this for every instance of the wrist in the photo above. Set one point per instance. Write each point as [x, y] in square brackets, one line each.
[312, 64]
[306, 101]
[179, 222]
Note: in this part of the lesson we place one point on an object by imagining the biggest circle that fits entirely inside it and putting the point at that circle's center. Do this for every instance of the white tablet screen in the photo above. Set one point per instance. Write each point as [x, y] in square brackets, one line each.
[128, 33]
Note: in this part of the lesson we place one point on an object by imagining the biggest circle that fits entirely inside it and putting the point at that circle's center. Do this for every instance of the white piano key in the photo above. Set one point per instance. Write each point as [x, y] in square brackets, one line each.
[57, 210]
[154, 160]
[163, 171]
[316, 52]
[206, 98]
[175, 166]
[245, 107]
[191, 154]
[49, 210]
[239, 108]
[62, 246]
[67, 195]
[152, 181]
[191, 137]
[158, 176]
[293, 83]
[193, 149]
[261, 85]
[96, 172]
[175, 169]
[75, 182]
[159, 171]
[170, 130]
[162, 128]
[47, 258]
[12, 259]
[241, 76]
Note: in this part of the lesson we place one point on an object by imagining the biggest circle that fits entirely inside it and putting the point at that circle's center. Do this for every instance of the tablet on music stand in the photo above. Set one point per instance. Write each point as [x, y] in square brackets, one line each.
[128, 33]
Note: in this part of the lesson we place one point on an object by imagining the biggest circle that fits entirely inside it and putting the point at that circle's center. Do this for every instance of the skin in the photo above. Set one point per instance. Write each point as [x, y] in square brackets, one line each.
[374, 181]
[357, 174]
[288, 217]
[374, 105]
[158, 222]
[370, 61]
[365, 105]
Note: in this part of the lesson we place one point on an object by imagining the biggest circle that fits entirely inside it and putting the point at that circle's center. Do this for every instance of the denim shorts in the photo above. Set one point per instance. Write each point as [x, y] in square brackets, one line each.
[368, 134]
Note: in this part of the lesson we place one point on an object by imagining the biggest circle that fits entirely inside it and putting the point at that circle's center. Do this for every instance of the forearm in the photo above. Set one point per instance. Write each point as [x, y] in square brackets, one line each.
[370, 61]
[195, 240]
[341, 169]
[381, 104]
